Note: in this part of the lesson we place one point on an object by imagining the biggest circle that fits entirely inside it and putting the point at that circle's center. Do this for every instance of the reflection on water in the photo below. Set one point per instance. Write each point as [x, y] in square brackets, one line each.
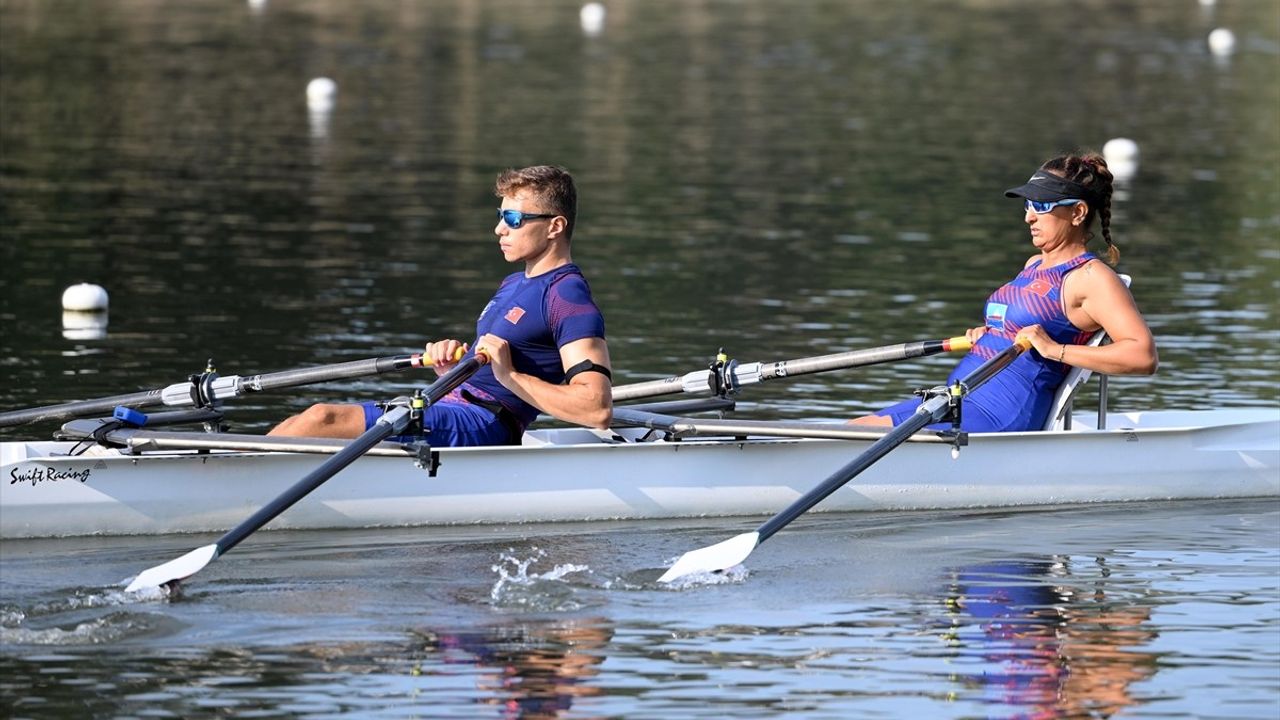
[1095, 612]
[528, 669]
[532, 670]
[1050, 642]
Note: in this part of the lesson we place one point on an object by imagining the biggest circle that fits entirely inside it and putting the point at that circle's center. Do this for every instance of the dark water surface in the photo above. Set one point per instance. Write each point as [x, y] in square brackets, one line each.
[780, 179]
[1072, 613]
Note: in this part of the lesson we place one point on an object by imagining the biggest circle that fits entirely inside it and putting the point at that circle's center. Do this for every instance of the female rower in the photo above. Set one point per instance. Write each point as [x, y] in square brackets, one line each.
[1063, 295]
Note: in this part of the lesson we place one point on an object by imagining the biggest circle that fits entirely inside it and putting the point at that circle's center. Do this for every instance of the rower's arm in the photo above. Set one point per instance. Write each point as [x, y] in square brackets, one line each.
[588, 397]
[1107, 302]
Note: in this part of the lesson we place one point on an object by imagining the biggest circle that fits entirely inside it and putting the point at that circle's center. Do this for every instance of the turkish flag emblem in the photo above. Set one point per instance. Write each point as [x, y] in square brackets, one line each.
[1040, 287]
[514, 314]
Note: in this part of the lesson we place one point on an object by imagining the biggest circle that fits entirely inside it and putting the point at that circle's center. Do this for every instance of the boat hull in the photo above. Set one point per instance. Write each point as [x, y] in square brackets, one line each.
[570, 475]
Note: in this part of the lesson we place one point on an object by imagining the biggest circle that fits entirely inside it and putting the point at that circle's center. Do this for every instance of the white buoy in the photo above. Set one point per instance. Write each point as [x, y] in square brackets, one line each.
[1120, 150]
[85, 297]
[1121, 155]
[1222, 42]
[592, 18]
[320, 93]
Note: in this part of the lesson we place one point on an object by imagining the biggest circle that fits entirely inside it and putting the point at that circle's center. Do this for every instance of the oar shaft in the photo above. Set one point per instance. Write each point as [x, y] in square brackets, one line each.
[67, 411]
[861, 358]
[392, 422]
[998, 362]
[386, 426]
[330, 373]
[457, 375]
[930, 411]
[693, 382]
[747, 374]
[223, 388]
[866, 459]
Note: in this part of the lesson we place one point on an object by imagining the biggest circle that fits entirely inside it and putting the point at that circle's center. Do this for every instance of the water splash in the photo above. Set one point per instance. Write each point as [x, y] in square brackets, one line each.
[11, 617]
[82, 599]
[99, 631]
[518, 587]
[35, 625]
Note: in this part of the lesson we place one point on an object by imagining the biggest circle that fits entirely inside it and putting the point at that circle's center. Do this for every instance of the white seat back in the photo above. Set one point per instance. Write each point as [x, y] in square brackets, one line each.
[1059, 415]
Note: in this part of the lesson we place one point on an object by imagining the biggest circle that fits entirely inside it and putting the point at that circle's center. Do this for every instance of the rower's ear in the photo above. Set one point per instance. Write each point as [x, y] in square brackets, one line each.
[1079, 213]
[558, 227]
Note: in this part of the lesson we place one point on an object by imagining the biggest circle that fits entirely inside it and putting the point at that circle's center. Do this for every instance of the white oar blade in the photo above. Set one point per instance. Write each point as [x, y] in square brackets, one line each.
[183, 567]
[714, 558]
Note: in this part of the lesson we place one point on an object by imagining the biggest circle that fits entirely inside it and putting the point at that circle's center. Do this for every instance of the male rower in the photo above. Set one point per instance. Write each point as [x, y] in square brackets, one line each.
[542, 332]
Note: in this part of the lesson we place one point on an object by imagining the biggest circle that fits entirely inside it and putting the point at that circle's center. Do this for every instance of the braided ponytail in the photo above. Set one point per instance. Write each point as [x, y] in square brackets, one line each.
[1090, 170]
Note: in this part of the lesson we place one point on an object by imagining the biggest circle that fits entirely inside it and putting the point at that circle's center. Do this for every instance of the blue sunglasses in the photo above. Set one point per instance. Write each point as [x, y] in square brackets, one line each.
[1041, 208]
[515, 218]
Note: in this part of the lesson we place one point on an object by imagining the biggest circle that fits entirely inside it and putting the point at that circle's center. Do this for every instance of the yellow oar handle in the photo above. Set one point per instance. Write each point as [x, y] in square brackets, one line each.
[481, 355]
[1023, 342]
[957, 344]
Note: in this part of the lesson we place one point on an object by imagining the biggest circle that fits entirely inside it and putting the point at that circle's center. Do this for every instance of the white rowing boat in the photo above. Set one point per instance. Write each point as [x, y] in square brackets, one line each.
[157, 482]
[121, 475]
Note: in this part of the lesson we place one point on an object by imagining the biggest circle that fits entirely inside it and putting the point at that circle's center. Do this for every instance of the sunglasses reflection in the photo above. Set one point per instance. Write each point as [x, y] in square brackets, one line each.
[527, 670]
[1049, 637]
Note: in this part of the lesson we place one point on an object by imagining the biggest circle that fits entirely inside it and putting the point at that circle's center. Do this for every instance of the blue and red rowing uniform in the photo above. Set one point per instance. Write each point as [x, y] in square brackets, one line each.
[536, 316]
[1018, 397]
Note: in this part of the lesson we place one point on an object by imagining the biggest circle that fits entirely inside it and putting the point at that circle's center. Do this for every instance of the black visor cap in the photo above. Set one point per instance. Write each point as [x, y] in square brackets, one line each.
[1047, 187]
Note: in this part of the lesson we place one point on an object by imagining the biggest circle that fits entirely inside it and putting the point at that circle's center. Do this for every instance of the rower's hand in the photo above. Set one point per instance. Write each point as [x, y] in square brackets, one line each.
[444, 354]
[499, 353]
[1040, 340]
[972, 334]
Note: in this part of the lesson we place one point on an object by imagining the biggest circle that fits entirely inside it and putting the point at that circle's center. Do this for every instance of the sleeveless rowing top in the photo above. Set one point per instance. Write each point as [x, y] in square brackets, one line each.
[1019, 397]
[536, 316]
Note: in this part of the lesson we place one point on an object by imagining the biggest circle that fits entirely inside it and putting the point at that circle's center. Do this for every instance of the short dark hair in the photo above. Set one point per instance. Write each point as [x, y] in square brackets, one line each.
[552, 185]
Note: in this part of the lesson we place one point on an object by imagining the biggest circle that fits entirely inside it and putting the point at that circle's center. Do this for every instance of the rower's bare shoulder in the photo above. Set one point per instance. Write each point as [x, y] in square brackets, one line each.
[1099, 276]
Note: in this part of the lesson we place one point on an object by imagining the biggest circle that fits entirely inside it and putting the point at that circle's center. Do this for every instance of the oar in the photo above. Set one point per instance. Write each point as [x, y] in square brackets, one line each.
[209, 388]
[216, 389]
[735, 550]
[747, 374]
[389, 424]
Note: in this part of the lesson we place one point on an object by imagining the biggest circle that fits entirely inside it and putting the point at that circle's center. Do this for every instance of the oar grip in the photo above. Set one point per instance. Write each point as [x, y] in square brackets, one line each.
[480, 355]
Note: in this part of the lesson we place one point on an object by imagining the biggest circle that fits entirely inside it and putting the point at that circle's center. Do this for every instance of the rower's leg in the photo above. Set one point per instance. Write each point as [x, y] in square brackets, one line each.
[323, 420]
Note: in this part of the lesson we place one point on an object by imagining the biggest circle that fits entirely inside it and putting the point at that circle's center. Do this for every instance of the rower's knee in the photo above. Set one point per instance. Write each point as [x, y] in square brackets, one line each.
[323, 420]
[319, 415]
